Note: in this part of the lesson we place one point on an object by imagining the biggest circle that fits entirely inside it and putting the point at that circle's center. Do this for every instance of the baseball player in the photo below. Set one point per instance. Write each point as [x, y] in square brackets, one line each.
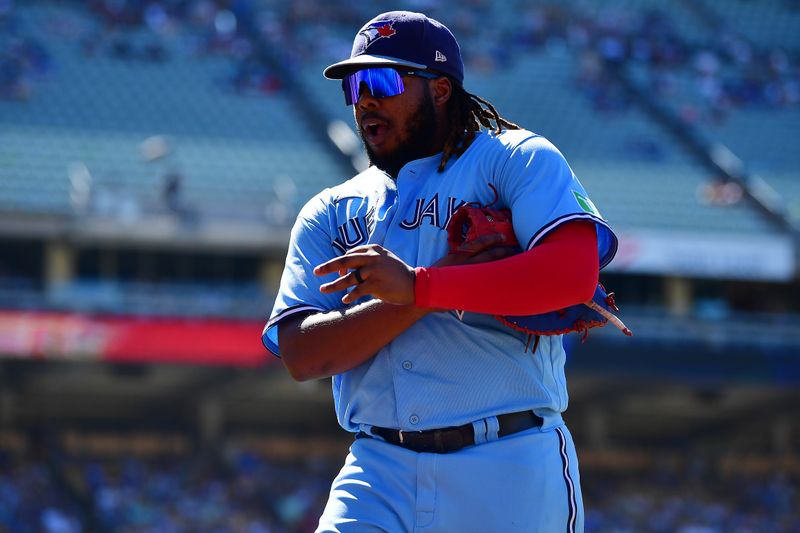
[457, 423]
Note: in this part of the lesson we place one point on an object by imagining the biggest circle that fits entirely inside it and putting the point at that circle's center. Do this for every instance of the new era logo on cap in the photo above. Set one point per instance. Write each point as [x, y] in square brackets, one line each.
[440, 56]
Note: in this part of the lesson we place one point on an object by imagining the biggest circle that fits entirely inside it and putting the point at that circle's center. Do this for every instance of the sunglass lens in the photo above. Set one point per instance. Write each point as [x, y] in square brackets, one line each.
[350, 86]
[381, 82]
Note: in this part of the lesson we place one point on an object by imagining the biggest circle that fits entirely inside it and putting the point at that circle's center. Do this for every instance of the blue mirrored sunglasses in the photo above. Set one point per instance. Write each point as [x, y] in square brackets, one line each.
[381, 82]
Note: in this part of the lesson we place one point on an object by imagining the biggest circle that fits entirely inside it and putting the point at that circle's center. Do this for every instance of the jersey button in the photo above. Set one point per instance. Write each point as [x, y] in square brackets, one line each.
[414, 419]
[407, 365]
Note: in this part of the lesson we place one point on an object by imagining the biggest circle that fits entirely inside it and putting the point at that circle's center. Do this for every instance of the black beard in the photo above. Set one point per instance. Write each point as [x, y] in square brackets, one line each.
[421, 128]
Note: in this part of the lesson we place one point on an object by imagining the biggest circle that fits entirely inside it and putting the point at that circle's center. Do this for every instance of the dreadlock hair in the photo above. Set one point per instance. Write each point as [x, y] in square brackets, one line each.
[466, 114]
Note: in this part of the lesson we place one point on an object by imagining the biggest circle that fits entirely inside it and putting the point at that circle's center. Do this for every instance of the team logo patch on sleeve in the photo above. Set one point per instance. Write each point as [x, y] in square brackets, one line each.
[586, 204]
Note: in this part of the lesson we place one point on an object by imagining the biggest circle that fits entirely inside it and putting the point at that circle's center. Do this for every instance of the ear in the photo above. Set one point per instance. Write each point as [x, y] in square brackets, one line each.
[441, 90]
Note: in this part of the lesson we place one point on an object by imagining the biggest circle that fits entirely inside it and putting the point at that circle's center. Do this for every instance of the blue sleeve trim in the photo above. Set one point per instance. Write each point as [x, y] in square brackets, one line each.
[607, 243]
[269, 335]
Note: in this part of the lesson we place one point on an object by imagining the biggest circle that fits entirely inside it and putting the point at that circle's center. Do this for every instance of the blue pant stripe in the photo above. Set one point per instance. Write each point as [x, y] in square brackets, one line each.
[573, 505]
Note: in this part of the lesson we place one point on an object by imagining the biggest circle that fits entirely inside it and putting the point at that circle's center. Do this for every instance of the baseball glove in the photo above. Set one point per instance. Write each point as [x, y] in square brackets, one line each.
[470, 222]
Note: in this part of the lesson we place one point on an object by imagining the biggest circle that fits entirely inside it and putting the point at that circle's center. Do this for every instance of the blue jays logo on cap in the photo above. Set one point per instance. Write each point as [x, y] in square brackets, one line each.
[378, 30]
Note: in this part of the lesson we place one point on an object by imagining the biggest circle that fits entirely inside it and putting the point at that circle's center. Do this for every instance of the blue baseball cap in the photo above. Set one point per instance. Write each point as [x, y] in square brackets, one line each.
[402, 39]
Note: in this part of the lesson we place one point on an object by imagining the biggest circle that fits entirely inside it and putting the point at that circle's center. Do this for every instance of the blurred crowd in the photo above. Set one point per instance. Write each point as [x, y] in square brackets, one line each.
[240, 493]
[143, 29]
[710, 74]
[260, 35]
[246, 492]
[690, 501]
[146, 31]
[243, 494]
[31, 501]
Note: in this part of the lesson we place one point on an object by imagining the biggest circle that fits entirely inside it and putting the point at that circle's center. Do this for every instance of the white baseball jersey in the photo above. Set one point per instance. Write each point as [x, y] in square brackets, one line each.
[445, 370]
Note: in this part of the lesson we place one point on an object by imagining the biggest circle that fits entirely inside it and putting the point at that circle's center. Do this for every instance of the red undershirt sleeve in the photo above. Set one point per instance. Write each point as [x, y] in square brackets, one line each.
[560, 271]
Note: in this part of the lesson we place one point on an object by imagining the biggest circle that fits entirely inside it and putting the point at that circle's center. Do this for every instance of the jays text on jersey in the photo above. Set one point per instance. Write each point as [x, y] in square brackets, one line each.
[448, 369]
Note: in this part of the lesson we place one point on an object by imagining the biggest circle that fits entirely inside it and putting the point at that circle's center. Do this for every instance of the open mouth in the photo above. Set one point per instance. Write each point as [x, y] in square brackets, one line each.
[375, 130]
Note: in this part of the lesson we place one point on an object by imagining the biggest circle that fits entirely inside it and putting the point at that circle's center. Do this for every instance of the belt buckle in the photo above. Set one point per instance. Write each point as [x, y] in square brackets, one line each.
[410, 438]
[404, 435]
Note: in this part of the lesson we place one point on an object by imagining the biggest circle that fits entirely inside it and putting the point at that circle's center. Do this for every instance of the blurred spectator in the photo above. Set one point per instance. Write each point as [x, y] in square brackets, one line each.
[14, 83]
[30, 501]
[719, 192]
[643, 149]
[22, 60]
[172, 191]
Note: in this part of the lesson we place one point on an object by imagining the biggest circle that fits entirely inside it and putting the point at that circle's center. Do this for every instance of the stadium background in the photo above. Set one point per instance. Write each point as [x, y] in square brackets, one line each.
[153, 155]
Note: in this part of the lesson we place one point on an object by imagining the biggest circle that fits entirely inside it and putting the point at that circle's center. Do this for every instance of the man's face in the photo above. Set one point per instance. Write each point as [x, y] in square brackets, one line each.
[398, 129]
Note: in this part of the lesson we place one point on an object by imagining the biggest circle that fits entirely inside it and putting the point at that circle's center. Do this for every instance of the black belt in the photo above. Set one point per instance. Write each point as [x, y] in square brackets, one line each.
[447, 440]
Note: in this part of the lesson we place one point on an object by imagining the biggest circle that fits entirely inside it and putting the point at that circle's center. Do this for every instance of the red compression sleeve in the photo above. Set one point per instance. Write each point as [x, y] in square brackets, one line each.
[561, 271]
